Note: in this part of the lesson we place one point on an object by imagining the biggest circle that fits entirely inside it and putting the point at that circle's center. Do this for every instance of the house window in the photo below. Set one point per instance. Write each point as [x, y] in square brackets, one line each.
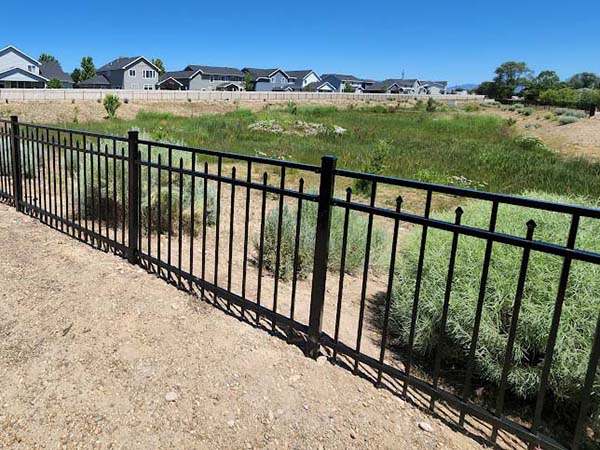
[149, 73]
[132, 73]
[31, 68]
[147, 87]
[274, 80]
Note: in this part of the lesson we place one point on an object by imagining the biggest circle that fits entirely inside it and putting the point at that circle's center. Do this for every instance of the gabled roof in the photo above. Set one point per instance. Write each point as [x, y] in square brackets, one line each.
[347, 78]
[301, 73]
[52, 69]
[434, 83]
[166, 77]
[97, 80]
[213, 70]
[13, 70]
[263, 73]
[12, 48]
[177, 75]
[316, 85]
[123, 63]
[386, 84]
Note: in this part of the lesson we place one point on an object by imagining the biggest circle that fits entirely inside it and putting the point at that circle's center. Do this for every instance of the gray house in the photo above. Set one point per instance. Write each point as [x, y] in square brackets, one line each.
[19, 70]
[203, 78]
[303, 78]
[396, 86]
[270, 79]
[53, 70]
[134, 72]
[341, 81]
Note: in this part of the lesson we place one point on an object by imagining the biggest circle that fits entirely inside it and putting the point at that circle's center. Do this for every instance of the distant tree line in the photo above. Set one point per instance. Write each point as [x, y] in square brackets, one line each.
[545, 88]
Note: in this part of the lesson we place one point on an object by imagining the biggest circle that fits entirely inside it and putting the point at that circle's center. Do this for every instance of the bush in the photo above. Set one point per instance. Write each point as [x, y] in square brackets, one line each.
[432, 105]
[55, 83]
[530, 143]
[376, 164]
[579, 315]
[565, 120]
[111, 103]
[355, 252]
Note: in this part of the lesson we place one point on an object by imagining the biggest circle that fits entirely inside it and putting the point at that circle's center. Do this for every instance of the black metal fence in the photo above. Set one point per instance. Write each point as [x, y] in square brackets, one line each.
[289, 247]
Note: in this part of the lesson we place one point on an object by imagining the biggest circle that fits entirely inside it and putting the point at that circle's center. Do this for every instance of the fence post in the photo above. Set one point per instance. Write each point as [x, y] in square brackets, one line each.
[321, 256]
[133, 167]
[16, 162]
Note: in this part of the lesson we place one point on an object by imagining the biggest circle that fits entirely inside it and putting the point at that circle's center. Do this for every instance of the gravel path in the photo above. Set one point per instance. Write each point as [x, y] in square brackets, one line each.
[95, 353]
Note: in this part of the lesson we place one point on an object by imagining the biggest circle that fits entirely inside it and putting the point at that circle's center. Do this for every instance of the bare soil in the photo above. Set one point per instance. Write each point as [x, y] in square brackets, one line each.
[96, 353]
[578, 140]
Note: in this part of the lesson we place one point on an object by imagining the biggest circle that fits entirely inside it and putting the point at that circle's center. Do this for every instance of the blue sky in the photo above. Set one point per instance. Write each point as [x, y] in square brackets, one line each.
[461, 41]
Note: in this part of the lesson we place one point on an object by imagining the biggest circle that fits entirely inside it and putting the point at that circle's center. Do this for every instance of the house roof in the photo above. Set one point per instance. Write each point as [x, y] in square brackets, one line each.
[97, 80]
[262, 73]
[347, 78]
[122, 63]
[299, 73]
[181, 74]
[385, 84]
[52, 69]
[12, 48]
[14, 70]
[433, 83]
[316, 85]
[213, 70]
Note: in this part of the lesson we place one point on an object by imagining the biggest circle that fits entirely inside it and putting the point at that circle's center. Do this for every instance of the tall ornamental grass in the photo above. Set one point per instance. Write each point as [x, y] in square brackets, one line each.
[580, 311]
[355, 250]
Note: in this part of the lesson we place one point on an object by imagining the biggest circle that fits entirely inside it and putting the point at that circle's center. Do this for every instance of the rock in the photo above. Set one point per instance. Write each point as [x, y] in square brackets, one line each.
[271, 415]
[171, 396]
[231, 423]
[425, 427]
[353, 435]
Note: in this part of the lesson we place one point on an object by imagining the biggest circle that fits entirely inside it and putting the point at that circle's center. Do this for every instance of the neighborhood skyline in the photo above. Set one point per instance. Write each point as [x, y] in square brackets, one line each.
[463, 45]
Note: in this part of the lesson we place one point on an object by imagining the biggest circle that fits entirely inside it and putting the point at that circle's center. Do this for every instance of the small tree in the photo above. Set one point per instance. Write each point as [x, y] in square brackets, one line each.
[348, 87]
[76, 75]
[159, 64]
[248, 82]
[45, 57]
[88, 70]
[111, 103]
[431, 105]
[55, 83]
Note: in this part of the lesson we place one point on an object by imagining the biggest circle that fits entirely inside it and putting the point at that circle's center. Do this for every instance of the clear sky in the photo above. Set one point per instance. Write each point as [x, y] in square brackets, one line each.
[460, 41]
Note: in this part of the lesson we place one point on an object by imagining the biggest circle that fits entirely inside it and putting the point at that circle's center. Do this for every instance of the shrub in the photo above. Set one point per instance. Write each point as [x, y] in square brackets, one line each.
[575, 113]
[111, 103]
[565, 120]
[431, 105]
[376, 164]
[355, 252]
[527, 111]
[579, 315]
[55, 83]
[292, 108]
[530, 143]
[471, 108]
[549, 116]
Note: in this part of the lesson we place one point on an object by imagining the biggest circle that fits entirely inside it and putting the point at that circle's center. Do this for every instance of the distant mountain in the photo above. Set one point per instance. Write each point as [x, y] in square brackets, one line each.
[466, 87]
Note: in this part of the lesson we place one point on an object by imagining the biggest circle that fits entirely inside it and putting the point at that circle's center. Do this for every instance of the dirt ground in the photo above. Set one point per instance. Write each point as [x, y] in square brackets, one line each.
[579, 140]
[95, 353]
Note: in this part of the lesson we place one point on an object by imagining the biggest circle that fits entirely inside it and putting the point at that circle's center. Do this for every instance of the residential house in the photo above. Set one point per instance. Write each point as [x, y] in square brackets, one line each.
[134, 72]
[341, 81]
[302, 78]
[270, 79]
[203, 78]
[396, 86]
[19, 70]
[53, 70]
[434, 87]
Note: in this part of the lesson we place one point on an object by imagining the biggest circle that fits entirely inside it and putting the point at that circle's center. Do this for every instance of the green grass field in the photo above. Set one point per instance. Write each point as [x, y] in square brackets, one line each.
[447, 147]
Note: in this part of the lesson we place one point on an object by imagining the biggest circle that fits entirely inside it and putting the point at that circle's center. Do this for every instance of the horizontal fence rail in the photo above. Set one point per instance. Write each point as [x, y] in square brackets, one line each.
[372, 271]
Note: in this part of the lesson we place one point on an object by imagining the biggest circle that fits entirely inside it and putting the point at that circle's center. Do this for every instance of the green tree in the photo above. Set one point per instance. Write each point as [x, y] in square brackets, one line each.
[88, 70]
[76, 75]
[547, 79]
[348, 87]
[487, 88]
[159, 64]
[509, 76]
[55, 83]
[248, 81]
[45, 57]
[584, 80]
